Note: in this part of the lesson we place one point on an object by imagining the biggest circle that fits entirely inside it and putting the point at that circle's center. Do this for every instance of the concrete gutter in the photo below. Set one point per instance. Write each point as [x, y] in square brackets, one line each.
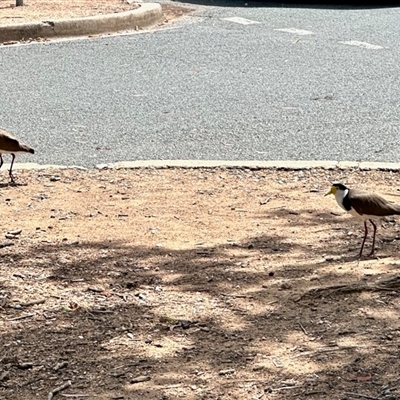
[146, 15]
[254, 165]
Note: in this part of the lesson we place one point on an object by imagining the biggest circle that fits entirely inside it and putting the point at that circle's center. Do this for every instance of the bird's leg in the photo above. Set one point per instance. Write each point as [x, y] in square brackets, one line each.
[373, 240]
[365, 236]
[11, 166]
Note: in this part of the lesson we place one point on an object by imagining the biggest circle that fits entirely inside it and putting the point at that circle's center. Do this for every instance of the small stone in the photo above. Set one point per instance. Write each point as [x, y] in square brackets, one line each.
[185, 324]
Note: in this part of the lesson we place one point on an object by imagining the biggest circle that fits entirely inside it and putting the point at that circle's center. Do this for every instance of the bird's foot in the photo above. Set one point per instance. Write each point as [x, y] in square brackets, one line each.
[12, 180]
[372, 254]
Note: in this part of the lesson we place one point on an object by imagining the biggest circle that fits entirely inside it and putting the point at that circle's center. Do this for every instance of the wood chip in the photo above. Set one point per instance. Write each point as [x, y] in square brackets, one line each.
[226, 371]
[141, 378]
[277, 362]
[6, 244]
[33, 302]
[60, 365]
[25, 365]
[95, 289]
[15, 232]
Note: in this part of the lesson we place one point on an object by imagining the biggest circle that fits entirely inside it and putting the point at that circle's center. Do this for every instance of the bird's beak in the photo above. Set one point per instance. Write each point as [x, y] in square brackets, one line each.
[330, 192]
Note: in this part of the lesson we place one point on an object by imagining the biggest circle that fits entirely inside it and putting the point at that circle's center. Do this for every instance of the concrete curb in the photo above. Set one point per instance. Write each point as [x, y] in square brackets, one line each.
[146, 15]
[254, 165]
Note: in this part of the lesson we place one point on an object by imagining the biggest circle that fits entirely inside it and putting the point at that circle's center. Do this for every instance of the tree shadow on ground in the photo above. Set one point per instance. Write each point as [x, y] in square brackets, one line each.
[203, 322]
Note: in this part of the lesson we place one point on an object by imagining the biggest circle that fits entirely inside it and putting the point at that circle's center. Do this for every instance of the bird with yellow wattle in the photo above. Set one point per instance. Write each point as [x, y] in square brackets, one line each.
[366, 206]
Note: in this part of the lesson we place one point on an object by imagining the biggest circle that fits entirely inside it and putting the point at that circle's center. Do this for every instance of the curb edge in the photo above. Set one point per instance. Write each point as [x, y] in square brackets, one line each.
[212, 164]
[146, 15]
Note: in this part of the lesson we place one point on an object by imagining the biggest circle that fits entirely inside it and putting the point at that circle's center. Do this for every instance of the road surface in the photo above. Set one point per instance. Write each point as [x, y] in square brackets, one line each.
[226, 83]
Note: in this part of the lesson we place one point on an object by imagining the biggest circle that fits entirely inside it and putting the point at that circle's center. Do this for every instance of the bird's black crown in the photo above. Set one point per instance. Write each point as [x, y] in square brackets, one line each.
[339, 186]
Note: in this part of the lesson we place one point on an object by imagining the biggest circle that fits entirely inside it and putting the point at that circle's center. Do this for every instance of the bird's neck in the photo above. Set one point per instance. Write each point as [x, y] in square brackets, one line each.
[340, 195]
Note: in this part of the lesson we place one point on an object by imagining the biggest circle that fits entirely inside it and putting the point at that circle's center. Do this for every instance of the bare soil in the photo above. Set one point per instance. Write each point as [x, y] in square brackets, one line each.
[49, 10]
[195, 284]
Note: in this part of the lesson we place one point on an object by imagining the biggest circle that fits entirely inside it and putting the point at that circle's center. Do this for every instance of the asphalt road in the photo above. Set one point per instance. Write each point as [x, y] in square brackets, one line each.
[298, 83]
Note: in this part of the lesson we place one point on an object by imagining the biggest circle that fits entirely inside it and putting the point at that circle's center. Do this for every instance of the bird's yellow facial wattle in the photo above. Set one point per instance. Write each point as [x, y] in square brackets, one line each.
[332, 191]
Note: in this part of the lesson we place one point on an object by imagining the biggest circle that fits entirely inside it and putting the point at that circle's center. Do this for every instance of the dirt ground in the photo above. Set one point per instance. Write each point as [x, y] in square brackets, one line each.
[195, 284]
[45, 10]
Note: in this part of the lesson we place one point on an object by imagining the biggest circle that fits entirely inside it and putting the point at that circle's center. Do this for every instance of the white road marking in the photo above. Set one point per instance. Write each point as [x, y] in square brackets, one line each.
[365, 45]
[295, 31]
[240, 20]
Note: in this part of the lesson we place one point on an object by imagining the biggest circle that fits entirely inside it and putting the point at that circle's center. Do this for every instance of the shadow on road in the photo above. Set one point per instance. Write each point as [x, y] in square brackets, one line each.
[312, 4]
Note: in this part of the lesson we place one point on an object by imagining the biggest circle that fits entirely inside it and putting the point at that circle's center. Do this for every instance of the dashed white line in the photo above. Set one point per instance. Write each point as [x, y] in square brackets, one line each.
[295, 31]
[240, 20]
[365, 45]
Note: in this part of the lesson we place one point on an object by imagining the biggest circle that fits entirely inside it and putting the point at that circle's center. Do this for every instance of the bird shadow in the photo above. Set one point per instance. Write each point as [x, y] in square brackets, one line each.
[12, 184]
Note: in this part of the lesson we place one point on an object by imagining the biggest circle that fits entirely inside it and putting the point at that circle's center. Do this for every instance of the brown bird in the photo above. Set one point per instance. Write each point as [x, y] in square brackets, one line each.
[365, 206]
[11, 145]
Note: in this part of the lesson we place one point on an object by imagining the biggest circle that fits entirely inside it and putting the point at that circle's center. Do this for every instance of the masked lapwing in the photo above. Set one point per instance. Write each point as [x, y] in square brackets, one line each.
[11, 145]
[366, 206]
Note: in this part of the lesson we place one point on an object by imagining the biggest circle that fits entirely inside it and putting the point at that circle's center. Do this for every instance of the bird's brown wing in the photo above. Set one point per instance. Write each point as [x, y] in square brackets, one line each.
[366, 203]
[9, 143]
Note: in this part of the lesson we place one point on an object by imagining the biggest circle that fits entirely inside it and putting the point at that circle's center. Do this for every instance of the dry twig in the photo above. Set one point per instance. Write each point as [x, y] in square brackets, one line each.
[21, 317]
[285, 388]
[324, 350]
[302, 328]
[238, 296]
[361, 396]
[58, 389]
[33, 302]
[389, 284]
